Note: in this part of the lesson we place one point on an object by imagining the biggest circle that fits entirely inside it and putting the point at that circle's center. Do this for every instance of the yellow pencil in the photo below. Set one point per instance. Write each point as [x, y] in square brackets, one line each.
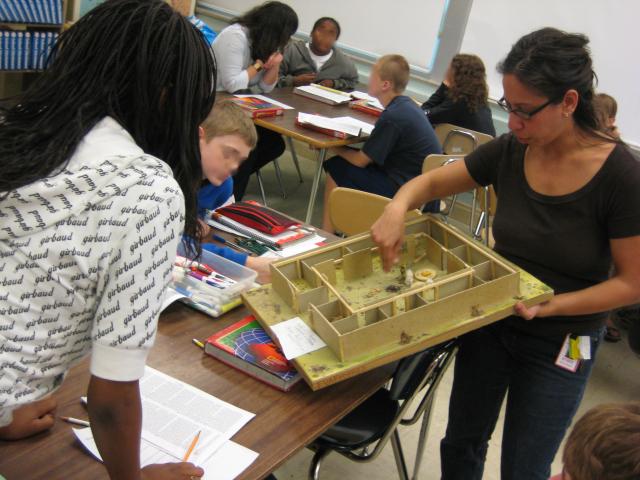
[191, 447]
[198, 343]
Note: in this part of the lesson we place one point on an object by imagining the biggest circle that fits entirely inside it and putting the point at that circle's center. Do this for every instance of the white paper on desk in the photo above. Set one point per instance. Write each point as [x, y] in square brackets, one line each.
[337, 97]
[296, 248]
[358, 95]
[366, 127]
[170, 296]
[174, 412]
[225, 464]
[329, 123]
[296, 338]
[266, 99]
[374, 102]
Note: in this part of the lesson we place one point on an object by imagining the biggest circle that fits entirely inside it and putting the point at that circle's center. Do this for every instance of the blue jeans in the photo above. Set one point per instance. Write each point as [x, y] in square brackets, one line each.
[541, 402]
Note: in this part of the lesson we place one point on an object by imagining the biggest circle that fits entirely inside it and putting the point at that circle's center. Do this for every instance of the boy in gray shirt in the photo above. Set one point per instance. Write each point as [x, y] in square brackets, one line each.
[318, 61]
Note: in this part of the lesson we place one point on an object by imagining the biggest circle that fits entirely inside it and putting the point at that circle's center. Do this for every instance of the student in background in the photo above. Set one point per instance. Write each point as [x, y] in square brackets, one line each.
[98, 179]
[226, 138]
[318, 61]
[394, 152]
[461, 99]
[607, 109]
[604, 444]
[248, 56]
[569, 208]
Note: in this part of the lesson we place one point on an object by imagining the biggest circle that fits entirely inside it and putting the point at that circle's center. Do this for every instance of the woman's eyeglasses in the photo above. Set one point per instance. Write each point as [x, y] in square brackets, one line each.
[506, 106]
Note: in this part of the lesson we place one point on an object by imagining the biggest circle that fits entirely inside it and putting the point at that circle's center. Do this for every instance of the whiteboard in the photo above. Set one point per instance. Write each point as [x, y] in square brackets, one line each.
[494, 25]
[373, 27]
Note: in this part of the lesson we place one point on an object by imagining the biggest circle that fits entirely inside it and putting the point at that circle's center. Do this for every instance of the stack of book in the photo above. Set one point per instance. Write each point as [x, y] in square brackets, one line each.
[25, 50]
[247, 347]
[257, 107]
[323, 94]
[31, 11]
[343, 127]
[260, 223]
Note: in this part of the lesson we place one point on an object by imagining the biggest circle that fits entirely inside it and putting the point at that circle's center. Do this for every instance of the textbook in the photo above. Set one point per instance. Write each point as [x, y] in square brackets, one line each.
[366, 107]
[246, 346]
[257, 107]
[323, 94]
[329, 126]
[257, 216]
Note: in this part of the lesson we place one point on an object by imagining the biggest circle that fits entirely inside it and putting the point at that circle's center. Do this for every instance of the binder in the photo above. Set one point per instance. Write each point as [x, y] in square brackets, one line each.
[12, 53]
[13, 13]
[21, 10]
[4, 12]
[39, 11]
[32, 17]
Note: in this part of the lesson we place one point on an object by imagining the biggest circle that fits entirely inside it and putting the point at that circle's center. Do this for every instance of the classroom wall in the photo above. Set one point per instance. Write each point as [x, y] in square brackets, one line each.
[488, 28]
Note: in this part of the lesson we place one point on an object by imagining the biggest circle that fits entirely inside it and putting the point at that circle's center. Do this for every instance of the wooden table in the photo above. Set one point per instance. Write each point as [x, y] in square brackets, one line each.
[284, 422]
[285, 125]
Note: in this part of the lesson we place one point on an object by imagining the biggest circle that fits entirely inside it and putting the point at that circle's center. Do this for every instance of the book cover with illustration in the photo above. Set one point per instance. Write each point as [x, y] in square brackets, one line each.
[246, 346]
[257, 107]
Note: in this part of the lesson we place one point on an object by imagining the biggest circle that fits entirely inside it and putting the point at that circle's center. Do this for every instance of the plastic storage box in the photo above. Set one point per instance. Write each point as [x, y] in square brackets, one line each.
[213, 300]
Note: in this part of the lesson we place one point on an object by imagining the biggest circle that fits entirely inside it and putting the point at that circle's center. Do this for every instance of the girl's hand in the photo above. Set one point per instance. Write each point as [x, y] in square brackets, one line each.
[273, 61]
[30, 419]
[388, 233]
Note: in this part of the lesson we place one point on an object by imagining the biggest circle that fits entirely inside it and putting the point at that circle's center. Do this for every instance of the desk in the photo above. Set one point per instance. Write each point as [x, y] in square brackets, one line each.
[284, 422]
[285, 125]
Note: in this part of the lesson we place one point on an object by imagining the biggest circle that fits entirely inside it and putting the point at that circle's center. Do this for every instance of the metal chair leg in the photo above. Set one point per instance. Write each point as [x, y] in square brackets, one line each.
[399, 456]
[294, 155]
[314, 467]
[422, 439]
[261, 185]
[279, 177]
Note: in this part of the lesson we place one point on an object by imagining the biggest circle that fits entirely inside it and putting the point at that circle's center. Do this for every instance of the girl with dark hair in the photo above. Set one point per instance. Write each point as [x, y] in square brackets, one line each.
[569, 206]
[318, 60]
[461, 99]
[99, 172]
[249, 53]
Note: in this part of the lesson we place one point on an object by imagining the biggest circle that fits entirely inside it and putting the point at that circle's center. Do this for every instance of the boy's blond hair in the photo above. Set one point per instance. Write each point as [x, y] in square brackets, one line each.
[395, 69]
[605, 444]
[227, 118]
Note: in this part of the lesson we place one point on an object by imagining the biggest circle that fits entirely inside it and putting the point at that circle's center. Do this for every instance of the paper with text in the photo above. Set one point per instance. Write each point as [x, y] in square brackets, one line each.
[296, 338]
[227, 463]
[329, 123]
[364, 126]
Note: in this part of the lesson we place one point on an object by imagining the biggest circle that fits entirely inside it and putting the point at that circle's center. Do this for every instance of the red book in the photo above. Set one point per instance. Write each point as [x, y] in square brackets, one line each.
[245, 346]
[257, 107]
[326, 131]
[363, 106]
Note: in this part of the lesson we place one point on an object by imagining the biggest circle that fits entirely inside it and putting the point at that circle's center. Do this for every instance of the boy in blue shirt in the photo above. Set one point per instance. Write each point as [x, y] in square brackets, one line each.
[394, 152]
[226, 138]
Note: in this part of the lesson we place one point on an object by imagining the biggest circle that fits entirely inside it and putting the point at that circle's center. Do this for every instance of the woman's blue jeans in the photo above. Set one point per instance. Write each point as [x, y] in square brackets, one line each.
[542, 399]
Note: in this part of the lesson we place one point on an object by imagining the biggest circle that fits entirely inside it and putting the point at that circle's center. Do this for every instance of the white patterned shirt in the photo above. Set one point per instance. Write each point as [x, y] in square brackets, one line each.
[85, 256]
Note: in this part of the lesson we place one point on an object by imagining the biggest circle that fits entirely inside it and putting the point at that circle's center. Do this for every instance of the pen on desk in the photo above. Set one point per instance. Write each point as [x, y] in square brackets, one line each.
[76, 421]
[191, 447]
[197, 343]
[224, 241]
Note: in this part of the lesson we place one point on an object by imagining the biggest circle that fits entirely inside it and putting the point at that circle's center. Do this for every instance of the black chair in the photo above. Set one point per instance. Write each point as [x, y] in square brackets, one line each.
[375, 421]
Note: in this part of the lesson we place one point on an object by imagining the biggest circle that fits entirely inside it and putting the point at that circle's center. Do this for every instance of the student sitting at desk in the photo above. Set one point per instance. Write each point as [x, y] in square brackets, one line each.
[461, 99]
[99, 159]
[394, 152]
[248, 56]
[318, 61]
[226, 138]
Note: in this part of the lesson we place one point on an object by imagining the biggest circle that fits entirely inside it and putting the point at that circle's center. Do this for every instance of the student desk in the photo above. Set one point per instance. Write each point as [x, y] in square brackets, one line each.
[286, 125]
[284, 422]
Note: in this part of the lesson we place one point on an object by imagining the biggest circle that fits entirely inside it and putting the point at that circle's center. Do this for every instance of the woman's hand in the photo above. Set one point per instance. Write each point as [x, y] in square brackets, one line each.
[529, 313]
[30, 419]
[273, 61]
[327, 83]
[172, 471]
[388, 233]
[261, 266]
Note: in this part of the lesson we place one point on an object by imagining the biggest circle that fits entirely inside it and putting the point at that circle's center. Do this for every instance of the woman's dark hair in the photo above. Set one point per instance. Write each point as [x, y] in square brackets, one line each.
[552, 62]
[469, 82]
[270, 26]
[137, 61]
[321, 20]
